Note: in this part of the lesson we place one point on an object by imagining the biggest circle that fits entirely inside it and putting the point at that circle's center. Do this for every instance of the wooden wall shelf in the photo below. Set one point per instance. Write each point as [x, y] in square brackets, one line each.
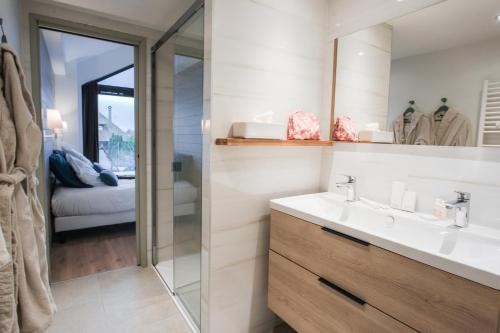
[267, 142]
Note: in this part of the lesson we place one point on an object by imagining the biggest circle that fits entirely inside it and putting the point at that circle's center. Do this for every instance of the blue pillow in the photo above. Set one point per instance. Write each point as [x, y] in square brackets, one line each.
[59, 152]
[109, 178]
[64, 172]
[98, 167]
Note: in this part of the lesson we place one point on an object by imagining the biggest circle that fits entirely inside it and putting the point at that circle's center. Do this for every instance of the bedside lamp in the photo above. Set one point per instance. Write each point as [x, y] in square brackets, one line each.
[56, 125]
[54, 120]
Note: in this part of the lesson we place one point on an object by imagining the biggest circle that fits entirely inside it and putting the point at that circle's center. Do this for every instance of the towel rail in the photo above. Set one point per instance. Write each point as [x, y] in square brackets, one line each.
[489, 120]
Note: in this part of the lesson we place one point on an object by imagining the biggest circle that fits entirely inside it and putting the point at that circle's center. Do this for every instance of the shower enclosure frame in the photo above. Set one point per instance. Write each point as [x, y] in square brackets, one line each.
[195, 7]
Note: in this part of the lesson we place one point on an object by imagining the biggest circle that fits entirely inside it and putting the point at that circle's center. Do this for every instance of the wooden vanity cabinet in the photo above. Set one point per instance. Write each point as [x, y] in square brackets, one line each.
[324, 281]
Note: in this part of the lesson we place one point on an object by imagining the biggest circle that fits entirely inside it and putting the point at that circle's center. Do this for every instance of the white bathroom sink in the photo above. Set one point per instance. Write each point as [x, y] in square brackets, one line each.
[256, 130]
[472, 252]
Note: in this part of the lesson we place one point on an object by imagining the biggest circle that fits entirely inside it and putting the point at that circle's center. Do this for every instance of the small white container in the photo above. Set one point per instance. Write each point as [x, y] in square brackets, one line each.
[398, 191]
[409, 201]
[376, 136]
[255, 130]
[440, 210]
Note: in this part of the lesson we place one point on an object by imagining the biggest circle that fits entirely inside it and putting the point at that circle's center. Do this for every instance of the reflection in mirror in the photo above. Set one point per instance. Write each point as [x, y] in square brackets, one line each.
[428, 78]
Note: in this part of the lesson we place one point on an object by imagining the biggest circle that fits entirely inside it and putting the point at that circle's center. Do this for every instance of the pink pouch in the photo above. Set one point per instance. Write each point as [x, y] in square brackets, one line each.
[344, 130]
[303, 126]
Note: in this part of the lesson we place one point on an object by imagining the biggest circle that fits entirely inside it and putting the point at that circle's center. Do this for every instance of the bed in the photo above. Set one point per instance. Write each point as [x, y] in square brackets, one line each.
[81, 208]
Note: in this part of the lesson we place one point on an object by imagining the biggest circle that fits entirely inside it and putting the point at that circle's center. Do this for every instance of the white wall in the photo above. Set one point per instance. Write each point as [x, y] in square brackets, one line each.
[66, 93]
[264, 55]
[363, 73]
[10, 11]
[457, 74]
[95, 67]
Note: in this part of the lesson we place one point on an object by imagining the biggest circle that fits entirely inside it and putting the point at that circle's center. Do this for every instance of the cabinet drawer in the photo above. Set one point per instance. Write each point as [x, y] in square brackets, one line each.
[422, 297]
[309, 305]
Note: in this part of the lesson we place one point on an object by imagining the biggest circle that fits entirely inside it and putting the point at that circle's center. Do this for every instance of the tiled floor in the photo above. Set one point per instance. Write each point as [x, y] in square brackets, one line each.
[126, 300]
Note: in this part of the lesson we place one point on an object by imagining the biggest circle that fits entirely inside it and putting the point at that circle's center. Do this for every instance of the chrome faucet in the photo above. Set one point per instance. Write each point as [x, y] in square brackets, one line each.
[350, 185]
[462, 209]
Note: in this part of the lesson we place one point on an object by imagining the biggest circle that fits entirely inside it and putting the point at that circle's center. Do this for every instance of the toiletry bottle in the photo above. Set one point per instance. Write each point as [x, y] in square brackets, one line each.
[398, 191]
[440, 210]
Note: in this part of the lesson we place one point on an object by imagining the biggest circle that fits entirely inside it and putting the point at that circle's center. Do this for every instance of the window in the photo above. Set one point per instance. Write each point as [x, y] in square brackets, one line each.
[116, 121]
[109, 121]
[116, 132]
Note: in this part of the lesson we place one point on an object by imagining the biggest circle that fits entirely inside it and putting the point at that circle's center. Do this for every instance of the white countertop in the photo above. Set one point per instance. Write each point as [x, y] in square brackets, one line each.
[472, 252]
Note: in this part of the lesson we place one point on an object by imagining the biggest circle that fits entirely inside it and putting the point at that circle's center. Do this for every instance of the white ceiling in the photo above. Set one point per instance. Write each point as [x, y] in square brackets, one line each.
[78, 47]
[446, 25]
[124, 79]
[64, 48]
[156, 14]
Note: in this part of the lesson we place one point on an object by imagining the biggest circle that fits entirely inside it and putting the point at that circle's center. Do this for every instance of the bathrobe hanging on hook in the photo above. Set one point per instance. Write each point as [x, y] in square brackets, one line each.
[26, 303]
[416, 131]
[453, 129]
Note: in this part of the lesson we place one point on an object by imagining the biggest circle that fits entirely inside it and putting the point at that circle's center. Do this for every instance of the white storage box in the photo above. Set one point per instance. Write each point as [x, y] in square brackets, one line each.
[255, 130]
[376, 136]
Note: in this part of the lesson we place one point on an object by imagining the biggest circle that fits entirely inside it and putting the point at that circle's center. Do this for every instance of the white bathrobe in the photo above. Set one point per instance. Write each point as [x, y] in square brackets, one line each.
[26, 303]
[453, 130]
[418, 133]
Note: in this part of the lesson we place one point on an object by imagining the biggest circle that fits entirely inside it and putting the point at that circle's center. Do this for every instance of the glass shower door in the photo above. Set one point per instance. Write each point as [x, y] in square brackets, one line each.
[177, 160]
[187, 120]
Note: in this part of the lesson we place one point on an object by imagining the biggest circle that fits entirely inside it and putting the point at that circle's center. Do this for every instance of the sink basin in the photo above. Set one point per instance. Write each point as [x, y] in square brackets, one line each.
[472, 252]
[328, 206]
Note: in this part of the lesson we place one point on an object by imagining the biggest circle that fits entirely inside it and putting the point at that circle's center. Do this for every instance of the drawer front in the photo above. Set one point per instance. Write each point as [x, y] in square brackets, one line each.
[309, 305]
[423, 297]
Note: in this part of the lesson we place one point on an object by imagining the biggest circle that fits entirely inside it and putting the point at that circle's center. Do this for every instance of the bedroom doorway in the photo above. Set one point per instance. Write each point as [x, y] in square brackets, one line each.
[88, 101]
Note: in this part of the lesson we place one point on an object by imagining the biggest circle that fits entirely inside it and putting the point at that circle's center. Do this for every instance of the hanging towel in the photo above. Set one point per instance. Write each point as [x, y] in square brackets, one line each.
[26, 303]
[417, 132]
[453, 130]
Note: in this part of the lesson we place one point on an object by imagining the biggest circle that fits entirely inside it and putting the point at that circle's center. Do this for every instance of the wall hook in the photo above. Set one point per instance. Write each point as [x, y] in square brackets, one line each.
[4, 37]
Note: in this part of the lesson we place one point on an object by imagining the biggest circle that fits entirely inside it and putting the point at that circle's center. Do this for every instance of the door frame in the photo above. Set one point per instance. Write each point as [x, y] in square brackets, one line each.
[140, 76]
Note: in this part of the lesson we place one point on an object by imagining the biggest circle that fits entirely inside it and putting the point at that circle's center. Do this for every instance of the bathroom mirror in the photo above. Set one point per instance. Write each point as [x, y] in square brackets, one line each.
[431, 77]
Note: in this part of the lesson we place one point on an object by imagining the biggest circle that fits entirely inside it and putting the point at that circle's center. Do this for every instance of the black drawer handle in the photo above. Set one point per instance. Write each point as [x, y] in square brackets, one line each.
[342, 291]
[359, 241]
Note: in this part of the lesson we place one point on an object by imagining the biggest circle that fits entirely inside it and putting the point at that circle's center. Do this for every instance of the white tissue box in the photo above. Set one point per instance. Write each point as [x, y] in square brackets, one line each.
[255, 130]
[376, 136]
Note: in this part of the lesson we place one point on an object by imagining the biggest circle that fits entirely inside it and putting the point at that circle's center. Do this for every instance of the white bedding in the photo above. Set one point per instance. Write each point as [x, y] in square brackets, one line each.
[67, 223]
[68, 201]
[103, 199]
[184, 192]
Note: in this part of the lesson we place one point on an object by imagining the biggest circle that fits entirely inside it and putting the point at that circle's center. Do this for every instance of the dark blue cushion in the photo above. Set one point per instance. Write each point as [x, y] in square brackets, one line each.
[109, 178]
[59, 152]
[98, 167]
[64, 172]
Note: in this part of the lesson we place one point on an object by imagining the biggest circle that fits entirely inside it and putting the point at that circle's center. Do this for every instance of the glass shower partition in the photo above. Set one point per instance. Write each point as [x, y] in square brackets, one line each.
[177, 161]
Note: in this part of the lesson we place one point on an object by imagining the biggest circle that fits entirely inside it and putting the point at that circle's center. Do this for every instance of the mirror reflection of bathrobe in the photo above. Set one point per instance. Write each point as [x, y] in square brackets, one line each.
[416, 132]
[26, 303]
[453, 130]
